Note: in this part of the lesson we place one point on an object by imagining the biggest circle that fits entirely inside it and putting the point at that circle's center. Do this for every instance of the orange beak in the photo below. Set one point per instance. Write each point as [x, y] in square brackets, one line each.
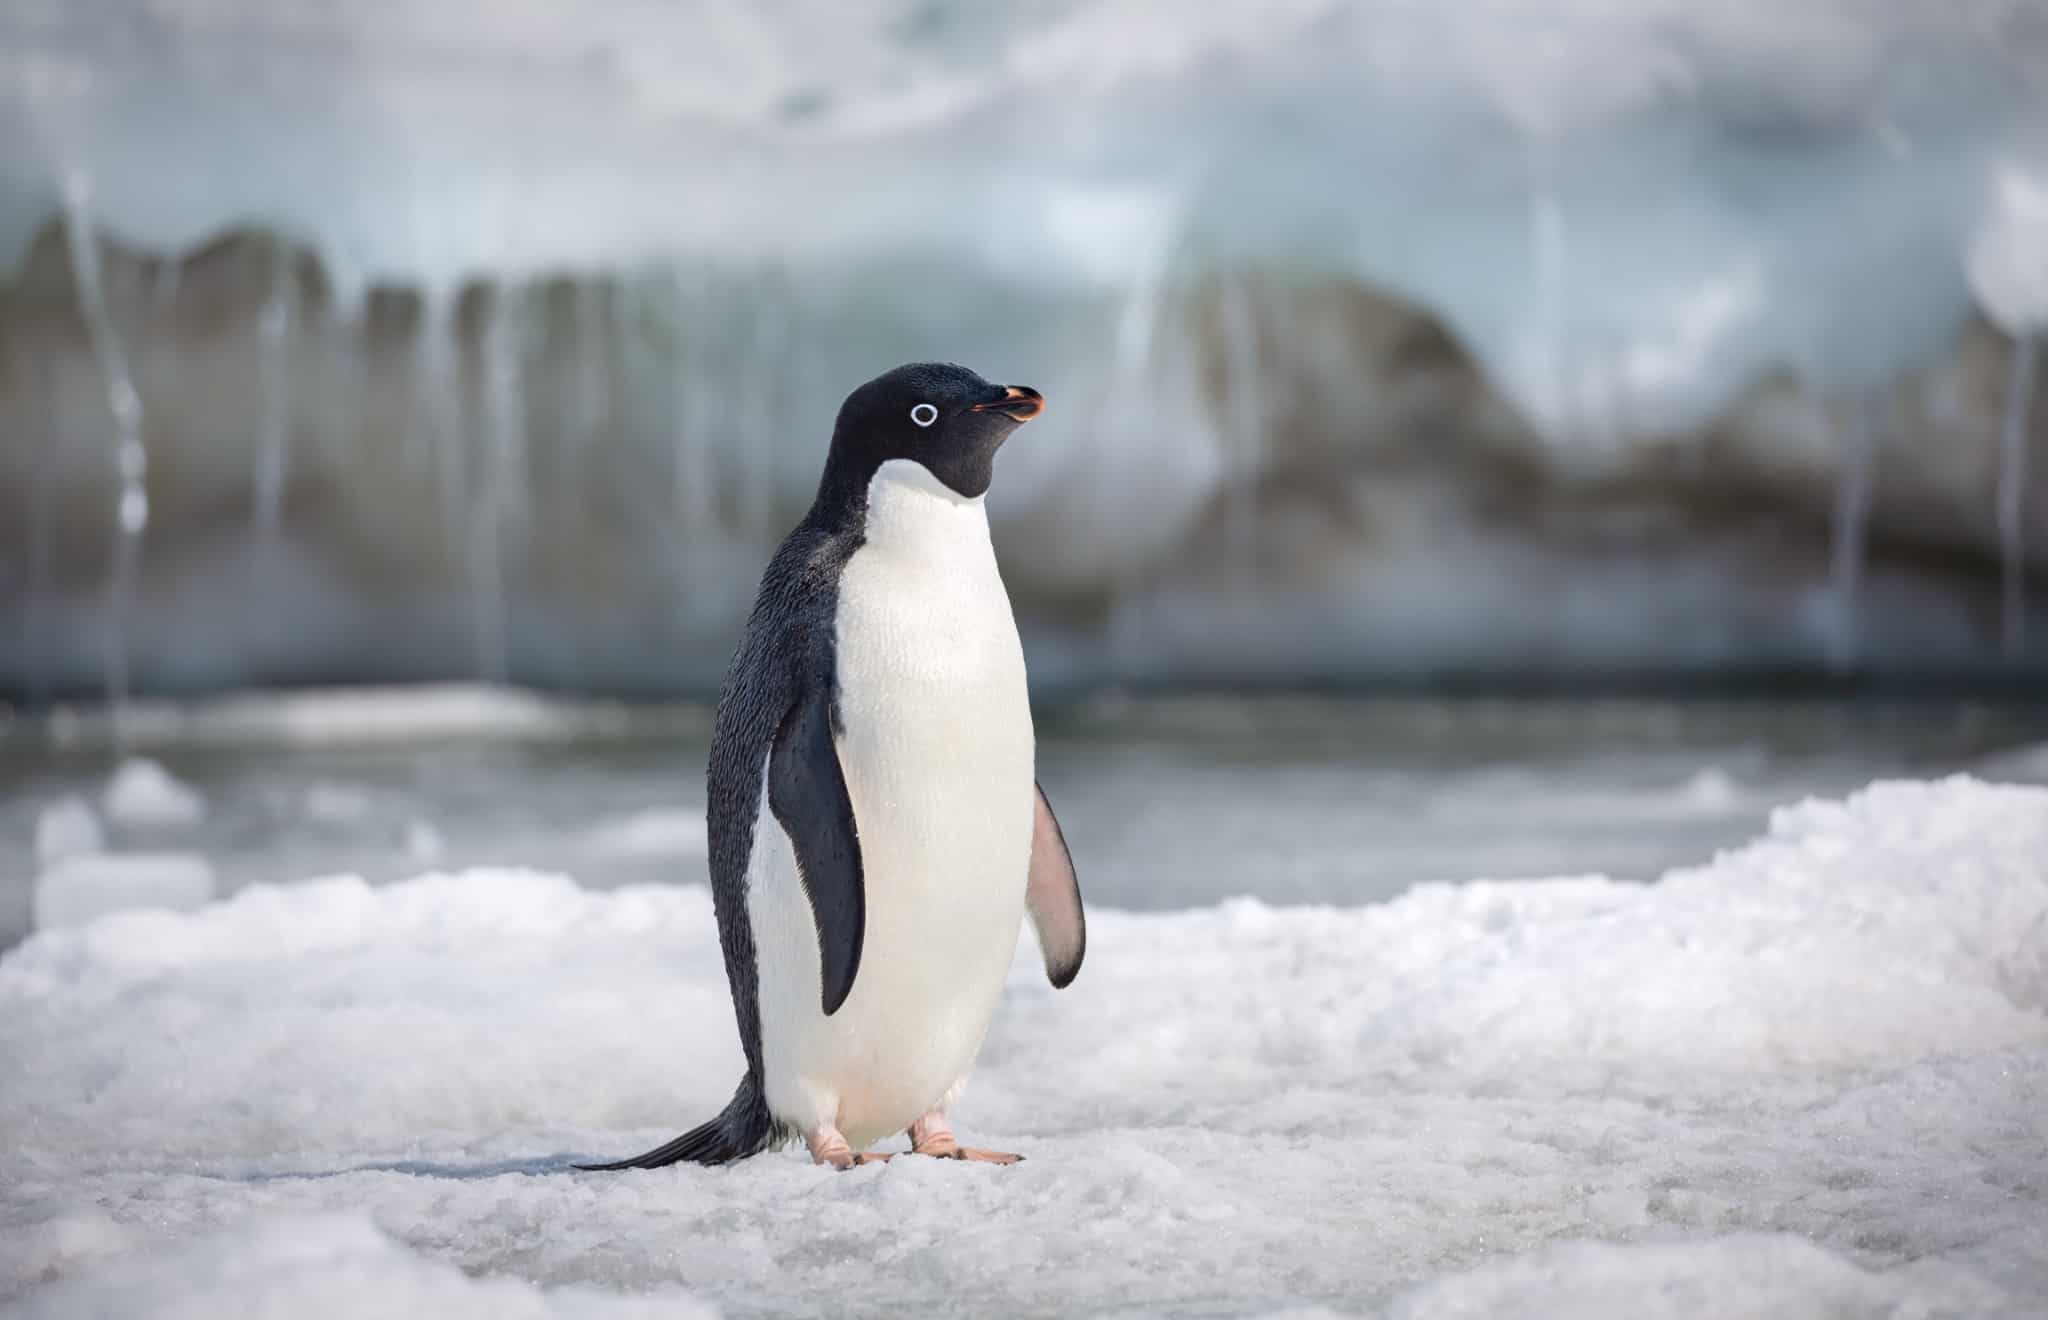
[1020, 402]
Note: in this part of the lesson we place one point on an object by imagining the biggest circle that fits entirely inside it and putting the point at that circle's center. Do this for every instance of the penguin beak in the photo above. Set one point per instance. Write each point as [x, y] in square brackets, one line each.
[1020, 403]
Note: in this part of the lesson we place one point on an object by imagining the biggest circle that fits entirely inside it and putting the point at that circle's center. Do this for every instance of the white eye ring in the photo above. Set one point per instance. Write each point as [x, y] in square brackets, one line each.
[924, 414]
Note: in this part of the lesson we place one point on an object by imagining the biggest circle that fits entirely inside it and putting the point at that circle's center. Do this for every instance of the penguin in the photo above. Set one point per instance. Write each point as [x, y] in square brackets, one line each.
[877, 830]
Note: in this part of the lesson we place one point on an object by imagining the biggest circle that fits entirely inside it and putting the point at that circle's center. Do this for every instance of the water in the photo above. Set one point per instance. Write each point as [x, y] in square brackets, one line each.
[1167, 802]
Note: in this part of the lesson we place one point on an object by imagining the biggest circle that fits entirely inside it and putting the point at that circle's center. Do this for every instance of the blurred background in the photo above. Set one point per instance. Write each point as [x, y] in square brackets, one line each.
[1621, 415]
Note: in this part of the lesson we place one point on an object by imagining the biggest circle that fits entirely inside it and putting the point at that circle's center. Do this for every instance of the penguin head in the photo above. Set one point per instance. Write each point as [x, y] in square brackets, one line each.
[943, 417]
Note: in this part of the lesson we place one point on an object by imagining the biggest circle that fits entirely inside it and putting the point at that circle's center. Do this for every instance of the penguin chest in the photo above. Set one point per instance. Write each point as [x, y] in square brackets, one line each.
[936, 744]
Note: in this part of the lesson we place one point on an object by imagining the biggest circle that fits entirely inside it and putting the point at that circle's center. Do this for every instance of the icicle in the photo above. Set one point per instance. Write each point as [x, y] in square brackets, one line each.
[2012, 489]
[349, 294]
[131, 458]
[505, 400]
[500, 497]
[346, 322]
[1246, 429]
[590, 398]
[441, 433]
[1849, 533]
[273, 430]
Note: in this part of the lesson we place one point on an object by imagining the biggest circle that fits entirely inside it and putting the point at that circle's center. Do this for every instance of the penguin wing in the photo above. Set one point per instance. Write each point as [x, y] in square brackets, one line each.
[807, 793]
[1053, 896]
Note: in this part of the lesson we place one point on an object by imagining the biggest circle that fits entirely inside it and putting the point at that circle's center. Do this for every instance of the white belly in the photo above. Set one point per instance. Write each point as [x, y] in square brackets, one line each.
[936, 745]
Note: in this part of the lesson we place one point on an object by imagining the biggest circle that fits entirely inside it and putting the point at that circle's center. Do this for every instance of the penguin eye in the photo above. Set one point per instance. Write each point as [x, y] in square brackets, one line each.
[924, 414]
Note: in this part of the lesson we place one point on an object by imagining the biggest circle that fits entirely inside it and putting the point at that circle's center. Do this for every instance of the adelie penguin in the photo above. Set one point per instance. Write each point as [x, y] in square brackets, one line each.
[877, 831]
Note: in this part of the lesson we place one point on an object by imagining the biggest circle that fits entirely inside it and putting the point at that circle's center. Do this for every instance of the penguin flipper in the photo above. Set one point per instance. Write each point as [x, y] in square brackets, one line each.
[1053, 896]
[807, 793]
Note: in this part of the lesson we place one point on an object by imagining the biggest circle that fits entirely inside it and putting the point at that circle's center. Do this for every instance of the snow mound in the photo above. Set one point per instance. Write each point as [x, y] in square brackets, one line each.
[143, 794]
[1804, 1076]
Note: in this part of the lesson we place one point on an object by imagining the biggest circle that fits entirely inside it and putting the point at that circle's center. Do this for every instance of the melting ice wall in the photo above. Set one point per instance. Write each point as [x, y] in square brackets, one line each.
[1495, 337]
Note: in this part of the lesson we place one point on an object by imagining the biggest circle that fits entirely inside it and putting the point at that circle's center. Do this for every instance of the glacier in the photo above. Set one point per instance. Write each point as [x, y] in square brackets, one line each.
[531, 299]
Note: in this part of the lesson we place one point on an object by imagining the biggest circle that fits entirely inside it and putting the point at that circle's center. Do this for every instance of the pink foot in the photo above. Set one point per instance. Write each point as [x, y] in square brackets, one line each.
[828, 1147]
[932, 1135]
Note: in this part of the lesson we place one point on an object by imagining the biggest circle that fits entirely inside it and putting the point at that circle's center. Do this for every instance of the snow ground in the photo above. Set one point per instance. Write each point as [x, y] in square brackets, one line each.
[1810, 1076]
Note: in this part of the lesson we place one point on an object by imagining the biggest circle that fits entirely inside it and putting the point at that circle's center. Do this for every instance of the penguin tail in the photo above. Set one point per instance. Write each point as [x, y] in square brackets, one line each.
[744, 1127]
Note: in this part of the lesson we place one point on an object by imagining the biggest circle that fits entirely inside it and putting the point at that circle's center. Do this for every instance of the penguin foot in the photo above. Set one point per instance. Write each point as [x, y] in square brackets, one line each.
[828, 1147]
[933, 1136]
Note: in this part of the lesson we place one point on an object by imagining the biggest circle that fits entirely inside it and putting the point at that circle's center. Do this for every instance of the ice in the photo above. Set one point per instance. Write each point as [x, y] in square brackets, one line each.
[2008, 258]
[66, 827]
[274, 425]
[1639, 219]
[337, 804]
[141, 793]
[1802, 1077]
[124, 409]
[423, 843]
[367, 715]
[1711, 185]
[83, 887]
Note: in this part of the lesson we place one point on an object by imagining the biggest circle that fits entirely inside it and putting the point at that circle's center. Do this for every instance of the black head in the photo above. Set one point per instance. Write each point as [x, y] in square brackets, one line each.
[944, 417]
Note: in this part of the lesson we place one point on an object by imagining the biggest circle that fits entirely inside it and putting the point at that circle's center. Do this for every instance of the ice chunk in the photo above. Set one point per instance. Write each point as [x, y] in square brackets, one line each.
[81, 887]
[67, 826]
[142, 793]
[654, 833]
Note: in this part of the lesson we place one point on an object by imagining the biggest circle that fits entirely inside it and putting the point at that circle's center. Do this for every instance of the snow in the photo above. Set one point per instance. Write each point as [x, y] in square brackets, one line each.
[315, 1266]
[1807, 1076]
[82, 887]
[144, 795]
[67, 826]
[1741, 1275]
